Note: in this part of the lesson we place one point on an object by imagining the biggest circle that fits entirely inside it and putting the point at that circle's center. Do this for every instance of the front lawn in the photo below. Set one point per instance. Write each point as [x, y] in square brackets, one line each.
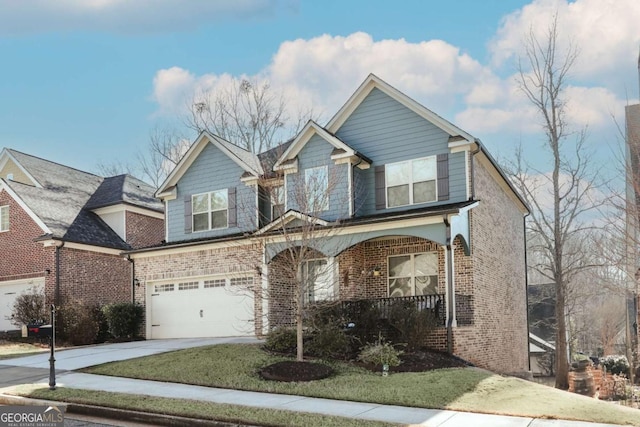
[466, 389]
[10, 349]
[197, 410]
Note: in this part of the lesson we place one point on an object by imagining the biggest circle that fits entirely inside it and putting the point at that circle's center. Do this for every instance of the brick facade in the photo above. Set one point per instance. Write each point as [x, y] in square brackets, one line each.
[498, 339]
[91, 276]
[143, 231]
[22, 258]
[202, 262]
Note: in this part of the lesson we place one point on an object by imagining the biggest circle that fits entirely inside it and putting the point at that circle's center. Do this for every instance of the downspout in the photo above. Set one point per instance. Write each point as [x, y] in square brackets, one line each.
[133, 278]
[57, 291]
[472, 171]
[450, 300]
[526, 285]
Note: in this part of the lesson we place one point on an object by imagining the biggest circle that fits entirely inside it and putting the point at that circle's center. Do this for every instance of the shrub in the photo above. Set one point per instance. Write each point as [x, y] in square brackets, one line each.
[103, 326]
[380, 353]
[328, 341]
[281, 340]
[616, 364]
[76, 323]
[30, 307]
[412, 325]
[124, 319]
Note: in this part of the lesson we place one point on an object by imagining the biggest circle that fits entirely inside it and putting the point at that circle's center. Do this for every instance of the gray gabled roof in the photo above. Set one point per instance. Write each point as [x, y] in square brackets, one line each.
[63, 198]
[124, 189]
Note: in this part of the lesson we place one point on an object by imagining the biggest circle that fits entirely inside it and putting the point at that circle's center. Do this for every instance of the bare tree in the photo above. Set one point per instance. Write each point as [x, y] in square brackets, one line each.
[248, 113]
[562, 198]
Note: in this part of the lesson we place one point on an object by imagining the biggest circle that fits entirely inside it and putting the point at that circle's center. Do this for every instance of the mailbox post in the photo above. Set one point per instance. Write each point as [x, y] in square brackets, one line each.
[52, 359]
[39, 330]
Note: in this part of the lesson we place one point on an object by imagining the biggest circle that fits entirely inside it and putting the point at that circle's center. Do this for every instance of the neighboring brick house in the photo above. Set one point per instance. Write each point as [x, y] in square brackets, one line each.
[405, 205]
[64, 230]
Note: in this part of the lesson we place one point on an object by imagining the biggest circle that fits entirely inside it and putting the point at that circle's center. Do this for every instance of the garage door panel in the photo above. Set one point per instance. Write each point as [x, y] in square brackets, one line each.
[9, 291]
[200, 312]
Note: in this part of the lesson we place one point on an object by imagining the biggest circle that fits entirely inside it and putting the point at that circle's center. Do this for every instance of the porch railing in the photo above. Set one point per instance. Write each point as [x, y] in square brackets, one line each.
[434, 304]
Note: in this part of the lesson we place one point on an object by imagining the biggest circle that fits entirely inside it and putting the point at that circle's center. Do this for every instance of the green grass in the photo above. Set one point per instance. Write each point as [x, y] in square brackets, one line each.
[9, 350]
[235, 366]
[195, 409]
[465, 389]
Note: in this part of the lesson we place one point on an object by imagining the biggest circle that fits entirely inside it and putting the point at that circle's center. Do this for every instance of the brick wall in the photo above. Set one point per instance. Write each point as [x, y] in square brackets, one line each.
[201, 262]
[356, 265]
[22, 258]
[498, 340]
[92, 277]
[143, 231]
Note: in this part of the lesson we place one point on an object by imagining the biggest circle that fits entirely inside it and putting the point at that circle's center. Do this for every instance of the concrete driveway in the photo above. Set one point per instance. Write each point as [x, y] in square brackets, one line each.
[82, 357]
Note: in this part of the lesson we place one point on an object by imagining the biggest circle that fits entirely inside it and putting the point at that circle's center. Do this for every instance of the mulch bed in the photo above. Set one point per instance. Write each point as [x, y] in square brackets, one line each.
[295, 371]
[416, 361]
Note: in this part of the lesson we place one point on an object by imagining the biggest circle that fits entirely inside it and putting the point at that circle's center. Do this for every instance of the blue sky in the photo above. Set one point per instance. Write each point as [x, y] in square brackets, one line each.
[86, 81]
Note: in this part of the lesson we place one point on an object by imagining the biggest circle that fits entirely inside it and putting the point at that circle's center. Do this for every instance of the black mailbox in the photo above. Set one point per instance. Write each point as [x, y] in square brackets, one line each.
[39, 331]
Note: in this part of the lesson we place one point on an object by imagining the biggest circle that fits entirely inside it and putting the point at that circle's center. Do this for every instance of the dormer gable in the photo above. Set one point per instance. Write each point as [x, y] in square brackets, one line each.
[12, 170]
[246, 160]
[374, 82]
[341, 153]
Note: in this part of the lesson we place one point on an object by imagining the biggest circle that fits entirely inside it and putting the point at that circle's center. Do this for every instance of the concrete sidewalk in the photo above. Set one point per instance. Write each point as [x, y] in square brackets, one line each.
[365, 411]
[34, 369]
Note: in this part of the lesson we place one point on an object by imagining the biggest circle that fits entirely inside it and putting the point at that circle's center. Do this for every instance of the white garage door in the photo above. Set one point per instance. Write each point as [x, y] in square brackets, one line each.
[8, 293]
[210, 307]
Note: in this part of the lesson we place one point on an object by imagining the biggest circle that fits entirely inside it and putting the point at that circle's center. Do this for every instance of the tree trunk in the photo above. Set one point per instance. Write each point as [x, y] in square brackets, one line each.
[562, 364]
[299, 329]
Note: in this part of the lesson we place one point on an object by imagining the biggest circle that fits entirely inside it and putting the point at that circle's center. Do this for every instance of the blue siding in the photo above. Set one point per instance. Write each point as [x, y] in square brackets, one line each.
[317, 152]
[386, 131]
[212, 170]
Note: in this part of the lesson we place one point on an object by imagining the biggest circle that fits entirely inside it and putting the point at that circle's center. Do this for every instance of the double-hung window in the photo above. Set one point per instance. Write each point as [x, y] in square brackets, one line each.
[277, 202]
[317, 280]
[411, 182]
[316, 182]
[414, 274]
[210, 210]
[4, 218]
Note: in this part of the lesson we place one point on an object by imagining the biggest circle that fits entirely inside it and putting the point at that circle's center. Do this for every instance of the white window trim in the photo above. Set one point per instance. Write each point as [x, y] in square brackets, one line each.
[413, 270]
[273, 199]
[325, 196]
[4, 208]
[330, 266]
[209, 211]
[411, 182]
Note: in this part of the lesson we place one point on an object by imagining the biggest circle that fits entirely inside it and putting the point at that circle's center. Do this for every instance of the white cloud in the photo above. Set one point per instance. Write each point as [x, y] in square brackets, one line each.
[322, 72]
[605, 32]
[123, 16]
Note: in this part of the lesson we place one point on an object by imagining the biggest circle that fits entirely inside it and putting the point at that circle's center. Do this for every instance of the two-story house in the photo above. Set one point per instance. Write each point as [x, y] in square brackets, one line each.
[63, 231]
[390, 201]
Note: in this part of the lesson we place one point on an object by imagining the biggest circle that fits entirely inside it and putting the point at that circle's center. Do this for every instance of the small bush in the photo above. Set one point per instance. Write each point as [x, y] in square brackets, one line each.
[281, 340]
[616, 364]
[412, 326]
[328, 341]
[30, 307]
[124, 319]
[76, 323]
[103, 326]
[380, 353]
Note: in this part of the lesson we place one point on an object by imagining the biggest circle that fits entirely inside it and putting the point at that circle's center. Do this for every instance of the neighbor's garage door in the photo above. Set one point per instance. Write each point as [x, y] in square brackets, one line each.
[8, 293]
[211, 307]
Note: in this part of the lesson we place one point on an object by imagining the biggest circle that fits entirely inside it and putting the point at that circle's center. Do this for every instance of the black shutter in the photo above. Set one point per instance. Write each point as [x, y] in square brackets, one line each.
[233, 209]
[381, 192]
[443, 176]
[188, 217]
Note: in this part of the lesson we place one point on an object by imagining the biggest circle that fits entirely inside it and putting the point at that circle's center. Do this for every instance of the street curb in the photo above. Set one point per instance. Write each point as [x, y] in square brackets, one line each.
[119, 414]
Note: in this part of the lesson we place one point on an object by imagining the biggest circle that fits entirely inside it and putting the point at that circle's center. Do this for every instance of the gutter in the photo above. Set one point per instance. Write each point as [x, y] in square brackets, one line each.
[450, 299]
[57, 289]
